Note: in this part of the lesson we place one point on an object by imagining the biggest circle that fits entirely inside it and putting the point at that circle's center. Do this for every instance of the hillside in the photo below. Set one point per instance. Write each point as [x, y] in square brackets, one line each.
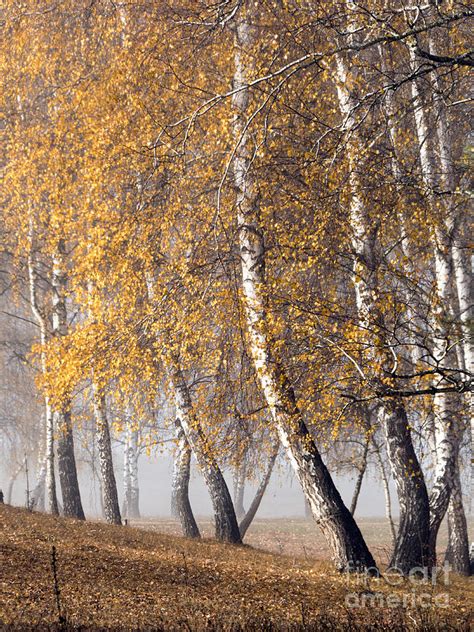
[126, 578]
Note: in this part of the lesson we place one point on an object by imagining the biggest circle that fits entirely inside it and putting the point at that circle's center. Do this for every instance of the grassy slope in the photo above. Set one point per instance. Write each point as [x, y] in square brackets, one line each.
[123, 578]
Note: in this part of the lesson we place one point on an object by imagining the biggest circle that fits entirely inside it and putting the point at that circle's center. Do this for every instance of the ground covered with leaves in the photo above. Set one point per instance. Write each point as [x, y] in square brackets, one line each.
[297, 537]
[125, 578]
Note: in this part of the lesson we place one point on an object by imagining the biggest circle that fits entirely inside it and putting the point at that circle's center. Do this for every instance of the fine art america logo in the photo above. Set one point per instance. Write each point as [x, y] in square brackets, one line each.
[420, 588]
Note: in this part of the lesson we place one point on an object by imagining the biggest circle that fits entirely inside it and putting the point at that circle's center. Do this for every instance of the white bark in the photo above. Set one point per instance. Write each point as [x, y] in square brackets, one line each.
[37, 500]
[72, 503]
[257, 499]
[180, 505]
[240, 475]
[226, 526]
[51, 500]
[454, 228]
[362, 467]
[457, 553]
[51, 497]
[227, 529]
[446, 431]
[108, 483]
[411, 545]
[414, 352]
[326, 504]
[131, 497]
[386, 491]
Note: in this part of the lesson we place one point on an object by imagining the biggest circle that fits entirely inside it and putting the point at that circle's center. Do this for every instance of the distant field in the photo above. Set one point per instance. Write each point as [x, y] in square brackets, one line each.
[125, 578]
[295, 536]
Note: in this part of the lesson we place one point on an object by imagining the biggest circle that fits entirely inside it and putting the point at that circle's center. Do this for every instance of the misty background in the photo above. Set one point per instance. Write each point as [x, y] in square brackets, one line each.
[283, 497]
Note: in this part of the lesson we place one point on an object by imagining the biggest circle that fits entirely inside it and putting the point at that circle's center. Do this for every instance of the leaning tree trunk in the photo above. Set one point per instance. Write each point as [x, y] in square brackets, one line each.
[226, 526]
[108, 483]
[257, 499]
[412, 544]
[180, 505]
[335, 520]
[360, 477]
[227, 529]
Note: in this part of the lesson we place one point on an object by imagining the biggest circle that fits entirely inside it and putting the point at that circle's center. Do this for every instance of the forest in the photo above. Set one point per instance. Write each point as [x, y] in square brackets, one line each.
[239, 231]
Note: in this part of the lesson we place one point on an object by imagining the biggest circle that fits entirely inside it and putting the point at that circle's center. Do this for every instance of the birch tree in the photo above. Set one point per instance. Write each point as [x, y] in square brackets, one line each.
[329, 511]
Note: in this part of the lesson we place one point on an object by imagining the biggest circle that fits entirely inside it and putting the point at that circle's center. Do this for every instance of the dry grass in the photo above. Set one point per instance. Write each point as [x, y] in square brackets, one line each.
[130, 578]
[294, 537]
[298, 537]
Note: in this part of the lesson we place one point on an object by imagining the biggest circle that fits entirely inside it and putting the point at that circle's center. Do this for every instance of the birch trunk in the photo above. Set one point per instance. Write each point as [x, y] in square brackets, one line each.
[11, 483]
[412, 542]
[131, 500]
[335, 520]
[239, 487]
[362, 469]
[461, 262]
[414, 354]
[38, 493]
[108, 486]
[51, 500]
[457, 553]
[447, 449]
[446, 432]
[255, 504]
[455, 220]
[386, 490]
[72, 504]
[180, 505]
[227, 529]
[126, 477]
[226, 526]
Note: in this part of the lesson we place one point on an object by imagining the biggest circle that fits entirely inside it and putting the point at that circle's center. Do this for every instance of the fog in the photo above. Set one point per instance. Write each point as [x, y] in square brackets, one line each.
[283, 497]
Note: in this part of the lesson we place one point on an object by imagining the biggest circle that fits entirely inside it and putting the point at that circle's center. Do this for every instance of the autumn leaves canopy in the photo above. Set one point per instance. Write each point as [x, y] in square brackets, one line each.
[239, 196]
